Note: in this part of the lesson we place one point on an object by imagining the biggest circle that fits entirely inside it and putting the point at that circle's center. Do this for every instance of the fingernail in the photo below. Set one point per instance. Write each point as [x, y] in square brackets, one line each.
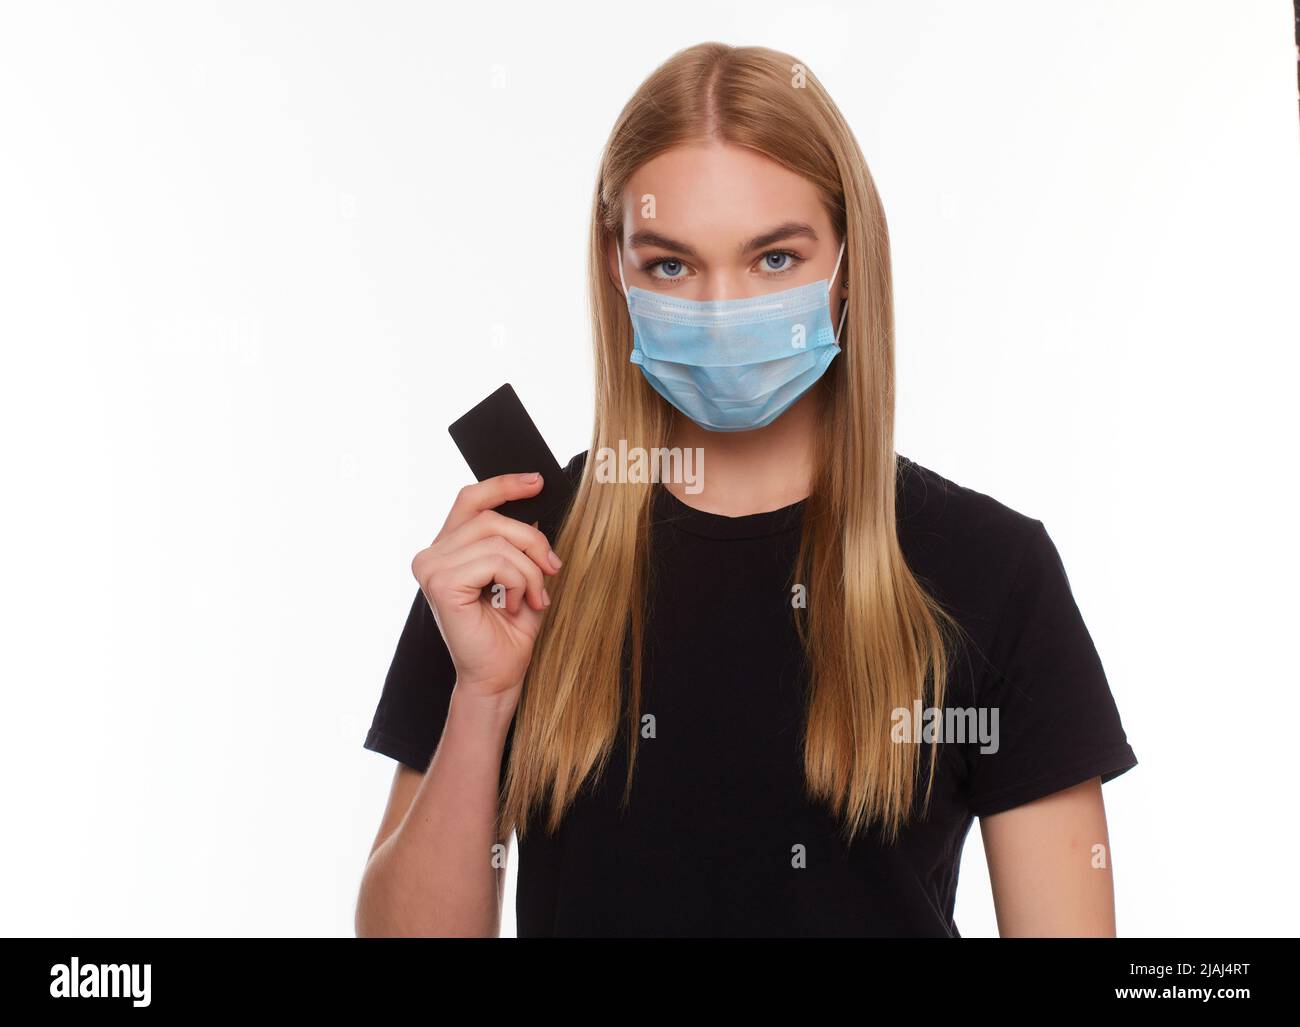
[529, 478]
[555, 560]
[546, 598]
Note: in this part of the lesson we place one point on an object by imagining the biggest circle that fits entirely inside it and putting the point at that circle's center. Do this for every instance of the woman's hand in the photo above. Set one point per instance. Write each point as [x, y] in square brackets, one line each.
[490, 636]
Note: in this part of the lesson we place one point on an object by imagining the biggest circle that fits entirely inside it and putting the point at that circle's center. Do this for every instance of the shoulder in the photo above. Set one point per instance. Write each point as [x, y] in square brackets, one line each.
[965, 544]
[929, 501]
[573, 469]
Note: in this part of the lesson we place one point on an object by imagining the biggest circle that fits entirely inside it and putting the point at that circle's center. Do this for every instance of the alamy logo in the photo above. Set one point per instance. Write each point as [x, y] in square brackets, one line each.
[639, 465]
[101, 980]
[957, 724]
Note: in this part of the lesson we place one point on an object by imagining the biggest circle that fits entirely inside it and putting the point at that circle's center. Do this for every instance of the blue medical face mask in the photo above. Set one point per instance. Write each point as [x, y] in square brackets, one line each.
[734, 365]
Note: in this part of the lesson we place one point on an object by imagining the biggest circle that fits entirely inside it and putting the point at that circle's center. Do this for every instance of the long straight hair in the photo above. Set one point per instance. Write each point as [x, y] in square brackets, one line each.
[875, 641]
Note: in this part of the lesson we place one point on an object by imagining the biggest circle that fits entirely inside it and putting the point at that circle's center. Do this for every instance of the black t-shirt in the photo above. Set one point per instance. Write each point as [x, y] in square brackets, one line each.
[718, 812]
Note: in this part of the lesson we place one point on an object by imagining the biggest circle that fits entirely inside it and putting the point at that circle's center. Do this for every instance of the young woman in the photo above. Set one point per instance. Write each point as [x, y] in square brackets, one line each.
[771, 705]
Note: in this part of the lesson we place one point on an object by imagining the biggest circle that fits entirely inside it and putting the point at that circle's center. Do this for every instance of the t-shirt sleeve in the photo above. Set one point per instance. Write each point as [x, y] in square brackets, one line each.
[1057, 724]
[413, 705]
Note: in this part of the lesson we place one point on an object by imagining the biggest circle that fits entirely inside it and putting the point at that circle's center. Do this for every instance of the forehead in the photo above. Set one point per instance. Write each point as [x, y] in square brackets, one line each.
[718, 190]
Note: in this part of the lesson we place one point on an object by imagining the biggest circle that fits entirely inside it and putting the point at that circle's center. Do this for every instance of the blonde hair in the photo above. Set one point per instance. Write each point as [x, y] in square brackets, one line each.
[874, 638]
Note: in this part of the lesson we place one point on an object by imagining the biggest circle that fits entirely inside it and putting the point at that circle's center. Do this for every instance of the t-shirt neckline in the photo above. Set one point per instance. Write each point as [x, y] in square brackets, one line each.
[671, 510]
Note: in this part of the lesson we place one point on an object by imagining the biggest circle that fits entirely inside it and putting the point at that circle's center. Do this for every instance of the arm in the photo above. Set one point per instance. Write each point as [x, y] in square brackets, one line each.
[1048, 879]
[430, 870]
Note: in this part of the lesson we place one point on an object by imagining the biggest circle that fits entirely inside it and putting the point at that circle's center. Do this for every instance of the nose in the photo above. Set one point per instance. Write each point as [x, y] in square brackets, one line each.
[724, 285]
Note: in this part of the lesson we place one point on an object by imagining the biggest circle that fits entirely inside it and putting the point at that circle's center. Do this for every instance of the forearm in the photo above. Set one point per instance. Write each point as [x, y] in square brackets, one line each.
[434, 874]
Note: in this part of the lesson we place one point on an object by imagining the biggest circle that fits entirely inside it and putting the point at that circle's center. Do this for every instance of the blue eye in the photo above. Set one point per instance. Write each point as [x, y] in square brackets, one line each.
[780, 262]
[674, 267]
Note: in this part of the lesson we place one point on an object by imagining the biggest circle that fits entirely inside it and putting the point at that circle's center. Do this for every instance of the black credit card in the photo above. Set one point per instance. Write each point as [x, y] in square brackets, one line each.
[498, 437]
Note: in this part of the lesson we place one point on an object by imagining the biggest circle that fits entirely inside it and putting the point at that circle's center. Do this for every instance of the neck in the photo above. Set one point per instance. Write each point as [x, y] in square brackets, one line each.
[755, 471]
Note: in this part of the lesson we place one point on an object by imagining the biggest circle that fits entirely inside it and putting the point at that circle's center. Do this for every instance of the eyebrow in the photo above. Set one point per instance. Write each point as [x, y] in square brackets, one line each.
[788, 230]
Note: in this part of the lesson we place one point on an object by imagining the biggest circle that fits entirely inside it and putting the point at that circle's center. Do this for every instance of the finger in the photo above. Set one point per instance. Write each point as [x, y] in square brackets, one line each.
[529, 540]
[488, 493]
[496, 546]
[508, 589]
[463, 584]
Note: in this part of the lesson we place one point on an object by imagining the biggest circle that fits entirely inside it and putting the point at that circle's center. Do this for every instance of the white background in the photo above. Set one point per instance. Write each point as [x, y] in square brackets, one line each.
[255, 257]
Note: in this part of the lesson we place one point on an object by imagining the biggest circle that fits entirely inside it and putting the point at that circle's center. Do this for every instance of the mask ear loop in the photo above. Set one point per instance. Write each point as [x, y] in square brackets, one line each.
[619, 250]
[844, 307]
[831, 285]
